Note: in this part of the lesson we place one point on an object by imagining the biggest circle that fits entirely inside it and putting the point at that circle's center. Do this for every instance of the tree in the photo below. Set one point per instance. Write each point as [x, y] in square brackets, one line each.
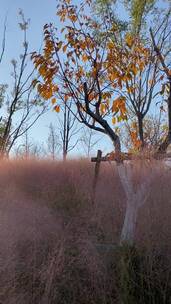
[53, 143]
[155, 129]
[104, 11]
[139, 11]
[88, 141]
[68, 128]
[3, 41]
[163, 53]
[142, 89]
[88, 75]
[20, 104]
[93, 72]
[28, 149]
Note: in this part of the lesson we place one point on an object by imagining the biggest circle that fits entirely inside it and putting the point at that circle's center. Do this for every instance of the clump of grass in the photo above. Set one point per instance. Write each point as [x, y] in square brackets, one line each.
[143, 276]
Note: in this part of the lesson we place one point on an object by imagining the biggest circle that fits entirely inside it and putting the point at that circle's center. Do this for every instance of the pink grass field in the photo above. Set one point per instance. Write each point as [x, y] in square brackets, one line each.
[55, 246]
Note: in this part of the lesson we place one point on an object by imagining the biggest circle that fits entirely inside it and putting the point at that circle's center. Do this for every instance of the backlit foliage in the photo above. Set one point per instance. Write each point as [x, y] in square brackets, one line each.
[135, 141]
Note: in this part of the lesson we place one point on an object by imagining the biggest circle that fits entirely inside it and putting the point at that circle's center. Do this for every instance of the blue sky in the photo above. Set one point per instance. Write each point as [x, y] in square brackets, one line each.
[39, 11]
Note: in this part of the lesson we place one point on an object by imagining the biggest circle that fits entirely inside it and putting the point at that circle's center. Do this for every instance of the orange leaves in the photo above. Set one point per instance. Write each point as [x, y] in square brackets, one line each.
[93, 96]
[34, 82]
[130, 89]
[133, 135]
[141, 65]
[57, 108]
[151, 82]
[119, 105]
[53, 101]
[67, 11]
[62, 13]
[161, 77]
[107, 95]
[55, 88]
[42, 70]
[135, 141]
[73, 18]
[83, 44]
[84, 58]
[94, 72]
[127, 62]
[37, 59]
[134, 69]
[129, 39]
[66, 97]
[113, 75]
[80, 58]
[79, 73]
[45, 91]
[103, 108]
[47, 68]
[65, 48]
[105, 104]
[40, 88]
[113, 120]
[110, 45]
[59, 45]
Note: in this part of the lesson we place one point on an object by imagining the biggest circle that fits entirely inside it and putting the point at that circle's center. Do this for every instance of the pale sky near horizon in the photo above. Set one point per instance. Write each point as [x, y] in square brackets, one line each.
[39, 12]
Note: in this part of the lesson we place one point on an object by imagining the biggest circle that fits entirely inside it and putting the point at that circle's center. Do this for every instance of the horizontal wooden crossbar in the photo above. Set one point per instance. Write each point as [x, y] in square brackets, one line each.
[112, 157]
[128, 156]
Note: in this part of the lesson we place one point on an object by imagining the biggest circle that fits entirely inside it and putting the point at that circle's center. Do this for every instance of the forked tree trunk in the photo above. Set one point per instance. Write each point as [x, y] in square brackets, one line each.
[134, 200]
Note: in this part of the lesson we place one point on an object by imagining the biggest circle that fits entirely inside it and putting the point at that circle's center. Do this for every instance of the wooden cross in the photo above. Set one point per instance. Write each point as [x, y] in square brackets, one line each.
[123, 156]
[98, 159]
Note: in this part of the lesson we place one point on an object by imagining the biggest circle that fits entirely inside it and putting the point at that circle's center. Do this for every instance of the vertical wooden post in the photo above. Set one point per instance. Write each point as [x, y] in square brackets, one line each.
[96, 174]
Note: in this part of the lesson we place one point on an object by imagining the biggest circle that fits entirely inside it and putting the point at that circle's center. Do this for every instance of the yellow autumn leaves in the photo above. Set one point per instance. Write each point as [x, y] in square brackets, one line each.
[129, 40]
[56, 107]
[125, 63]
[119, 106]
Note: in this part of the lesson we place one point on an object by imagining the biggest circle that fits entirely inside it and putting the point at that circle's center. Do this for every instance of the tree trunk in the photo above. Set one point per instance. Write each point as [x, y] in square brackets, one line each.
[117, 147]
[64, 155]
[134, 200]
[167, 141]
[129, 225]
[140, 129]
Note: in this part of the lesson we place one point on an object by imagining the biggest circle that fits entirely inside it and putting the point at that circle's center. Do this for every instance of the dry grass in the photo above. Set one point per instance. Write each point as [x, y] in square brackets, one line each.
[55, 247]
